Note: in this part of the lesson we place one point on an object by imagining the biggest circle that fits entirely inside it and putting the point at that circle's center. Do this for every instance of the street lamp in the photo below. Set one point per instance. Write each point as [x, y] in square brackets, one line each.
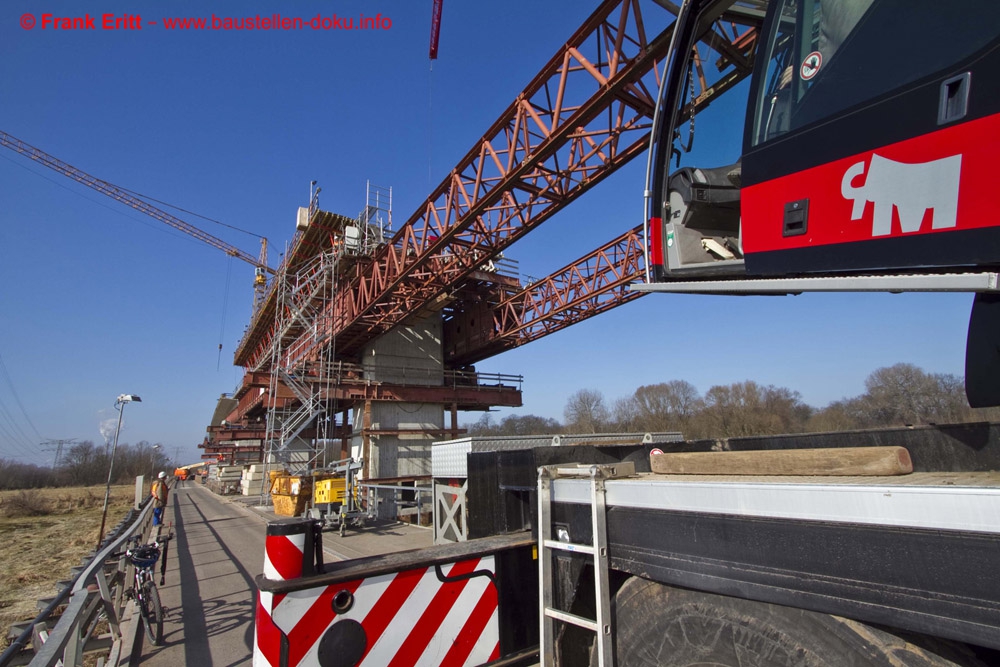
[121, 401]
[152, 460]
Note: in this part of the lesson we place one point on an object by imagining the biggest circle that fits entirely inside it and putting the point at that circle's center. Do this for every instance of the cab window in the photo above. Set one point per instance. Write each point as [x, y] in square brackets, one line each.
[826, 56]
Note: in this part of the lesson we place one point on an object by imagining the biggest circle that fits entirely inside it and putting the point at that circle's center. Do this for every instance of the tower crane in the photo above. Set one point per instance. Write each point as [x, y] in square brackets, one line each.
[261, 269]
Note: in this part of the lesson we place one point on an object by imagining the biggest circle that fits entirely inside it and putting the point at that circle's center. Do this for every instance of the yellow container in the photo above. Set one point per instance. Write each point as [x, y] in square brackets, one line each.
[281, 485]
[286, 505]
[331, 490]
[290, 494]
[288, 485]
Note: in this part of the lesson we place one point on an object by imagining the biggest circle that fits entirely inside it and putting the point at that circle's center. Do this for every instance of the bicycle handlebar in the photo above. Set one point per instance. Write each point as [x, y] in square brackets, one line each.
[160, 541]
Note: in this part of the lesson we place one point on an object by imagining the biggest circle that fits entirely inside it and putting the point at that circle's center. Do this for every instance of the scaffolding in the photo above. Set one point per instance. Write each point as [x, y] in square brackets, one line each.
[303, 360]
[376, 217]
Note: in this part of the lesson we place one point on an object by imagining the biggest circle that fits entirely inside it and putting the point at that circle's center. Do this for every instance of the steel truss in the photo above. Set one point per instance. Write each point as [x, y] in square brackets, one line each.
[587, 113]
[592, 285]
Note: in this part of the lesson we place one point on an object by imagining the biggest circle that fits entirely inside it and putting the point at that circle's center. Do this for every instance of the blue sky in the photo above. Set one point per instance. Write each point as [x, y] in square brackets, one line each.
[99, 300]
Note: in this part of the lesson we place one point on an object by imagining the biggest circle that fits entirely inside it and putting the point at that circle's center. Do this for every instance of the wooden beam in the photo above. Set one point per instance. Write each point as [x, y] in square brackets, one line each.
[830, 461]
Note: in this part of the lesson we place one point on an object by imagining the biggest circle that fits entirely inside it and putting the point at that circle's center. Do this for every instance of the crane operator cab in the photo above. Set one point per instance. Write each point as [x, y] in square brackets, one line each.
[869, 147]
[870, 132]
[701, 212]
[702, 232]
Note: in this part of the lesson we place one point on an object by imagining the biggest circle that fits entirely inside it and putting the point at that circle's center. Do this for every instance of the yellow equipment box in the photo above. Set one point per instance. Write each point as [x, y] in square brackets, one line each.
[288, 505]
[290, 494]
[331, 490]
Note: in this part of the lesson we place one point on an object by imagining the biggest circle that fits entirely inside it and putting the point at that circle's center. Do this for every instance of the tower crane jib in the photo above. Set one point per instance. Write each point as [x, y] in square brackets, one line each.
[259, 263]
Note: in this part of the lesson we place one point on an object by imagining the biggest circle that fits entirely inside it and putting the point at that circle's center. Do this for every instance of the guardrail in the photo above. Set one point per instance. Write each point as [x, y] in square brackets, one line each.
[392, 496]
[96, 595]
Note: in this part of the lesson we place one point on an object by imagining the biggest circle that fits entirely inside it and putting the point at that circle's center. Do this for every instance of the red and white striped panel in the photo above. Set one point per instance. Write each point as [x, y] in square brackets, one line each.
[283, 556]
[409, 618]
[282, 560]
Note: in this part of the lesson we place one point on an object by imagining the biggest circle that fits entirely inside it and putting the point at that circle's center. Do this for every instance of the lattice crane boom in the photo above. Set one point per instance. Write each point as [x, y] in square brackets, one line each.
[124, 197]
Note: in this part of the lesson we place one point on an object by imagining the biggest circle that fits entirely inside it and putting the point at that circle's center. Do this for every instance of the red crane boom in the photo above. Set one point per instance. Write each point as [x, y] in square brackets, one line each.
[435, 28]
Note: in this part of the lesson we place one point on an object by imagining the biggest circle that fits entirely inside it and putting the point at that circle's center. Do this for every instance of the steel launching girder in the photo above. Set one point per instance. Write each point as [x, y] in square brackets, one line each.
[586, 114]
[583, 116]
[592, 285]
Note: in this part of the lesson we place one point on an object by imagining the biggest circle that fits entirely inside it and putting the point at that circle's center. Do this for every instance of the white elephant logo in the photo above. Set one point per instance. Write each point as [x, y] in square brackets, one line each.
[909, 188]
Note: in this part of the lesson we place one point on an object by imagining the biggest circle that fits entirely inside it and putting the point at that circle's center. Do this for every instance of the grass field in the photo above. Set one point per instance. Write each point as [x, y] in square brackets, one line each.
[44, 533]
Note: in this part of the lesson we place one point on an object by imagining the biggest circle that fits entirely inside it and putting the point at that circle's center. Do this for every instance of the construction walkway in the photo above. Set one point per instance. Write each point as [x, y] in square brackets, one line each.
[209, 592]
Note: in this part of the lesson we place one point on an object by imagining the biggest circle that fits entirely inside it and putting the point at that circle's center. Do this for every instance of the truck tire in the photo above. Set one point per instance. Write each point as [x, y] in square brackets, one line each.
[660, 626]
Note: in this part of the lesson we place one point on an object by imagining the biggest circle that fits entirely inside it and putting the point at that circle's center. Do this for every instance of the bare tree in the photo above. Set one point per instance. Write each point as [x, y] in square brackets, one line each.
[625, 415]
[746, 408]
[529, 425]
[483, 426]
[906, 394]
[842, 415]
[585, 412]
[17, 475]
[515, 425]
[667, 406]
[898, 395]
[85, 464]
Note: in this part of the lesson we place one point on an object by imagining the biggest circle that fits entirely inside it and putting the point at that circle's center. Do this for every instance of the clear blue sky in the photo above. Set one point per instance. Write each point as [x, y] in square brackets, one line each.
[99, 300]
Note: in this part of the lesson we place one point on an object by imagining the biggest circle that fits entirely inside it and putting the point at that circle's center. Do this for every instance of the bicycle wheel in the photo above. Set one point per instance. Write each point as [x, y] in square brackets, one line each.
[152, 612]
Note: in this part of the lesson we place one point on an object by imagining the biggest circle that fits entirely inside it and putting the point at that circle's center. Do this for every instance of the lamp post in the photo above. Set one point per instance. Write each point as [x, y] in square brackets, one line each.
[120, 407]
[152, 461]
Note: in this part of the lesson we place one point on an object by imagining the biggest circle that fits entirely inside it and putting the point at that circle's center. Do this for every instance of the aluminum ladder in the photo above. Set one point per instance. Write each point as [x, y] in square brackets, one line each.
[597, 474]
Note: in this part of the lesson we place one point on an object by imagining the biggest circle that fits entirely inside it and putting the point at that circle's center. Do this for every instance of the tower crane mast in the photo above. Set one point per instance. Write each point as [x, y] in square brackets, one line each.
[118, 194]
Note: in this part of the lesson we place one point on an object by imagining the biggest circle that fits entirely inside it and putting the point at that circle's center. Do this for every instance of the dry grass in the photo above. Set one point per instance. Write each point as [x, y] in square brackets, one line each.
[44, 533]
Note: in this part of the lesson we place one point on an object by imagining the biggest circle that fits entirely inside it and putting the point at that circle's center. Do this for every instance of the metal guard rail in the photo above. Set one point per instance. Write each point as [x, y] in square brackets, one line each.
[72, 636]
[341, 372]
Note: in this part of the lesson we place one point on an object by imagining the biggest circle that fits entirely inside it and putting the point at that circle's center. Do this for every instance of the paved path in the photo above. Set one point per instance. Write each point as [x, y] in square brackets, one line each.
[209, 592]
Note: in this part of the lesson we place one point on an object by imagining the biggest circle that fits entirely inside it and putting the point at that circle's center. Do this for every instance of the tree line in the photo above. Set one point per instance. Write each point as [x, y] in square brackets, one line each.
[86, 464]
[898, 395]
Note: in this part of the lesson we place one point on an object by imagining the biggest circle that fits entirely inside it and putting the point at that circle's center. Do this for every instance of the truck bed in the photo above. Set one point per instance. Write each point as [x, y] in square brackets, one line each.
[915, 551]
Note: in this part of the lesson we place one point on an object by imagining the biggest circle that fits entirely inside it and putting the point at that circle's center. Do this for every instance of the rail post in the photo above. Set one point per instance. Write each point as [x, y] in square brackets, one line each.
[292, 549]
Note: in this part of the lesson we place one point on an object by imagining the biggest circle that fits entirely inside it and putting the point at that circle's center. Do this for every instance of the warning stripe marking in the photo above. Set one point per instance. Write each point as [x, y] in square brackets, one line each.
[475, 633]
[283, 556]
[315, 621]
[294, 608]
[389, 603]
[409, 618]
[267, 642]
[432, 617]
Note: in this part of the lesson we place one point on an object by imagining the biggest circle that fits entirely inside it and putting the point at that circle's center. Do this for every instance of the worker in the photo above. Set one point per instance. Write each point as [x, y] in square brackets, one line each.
[159, 493]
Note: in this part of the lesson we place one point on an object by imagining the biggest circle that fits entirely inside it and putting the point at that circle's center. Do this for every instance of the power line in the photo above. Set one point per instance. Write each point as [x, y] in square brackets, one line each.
[23, 444]
[15, 432]
[18, 443]
[13, 391]
[184, 210]
[170, 231]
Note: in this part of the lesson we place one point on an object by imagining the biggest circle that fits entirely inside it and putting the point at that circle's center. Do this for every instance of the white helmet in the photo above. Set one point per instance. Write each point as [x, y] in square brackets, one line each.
[162, 474]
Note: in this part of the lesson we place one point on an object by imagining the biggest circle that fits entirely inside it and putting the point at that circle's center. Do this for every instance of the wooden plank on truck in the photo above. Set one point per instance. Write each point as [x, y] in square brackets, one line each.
[882, 461]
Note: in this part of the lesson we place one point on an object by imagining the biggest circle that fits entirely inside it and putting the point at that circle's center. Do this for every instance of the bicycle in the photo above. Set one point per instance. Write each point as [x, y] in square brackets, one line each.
[144, 557]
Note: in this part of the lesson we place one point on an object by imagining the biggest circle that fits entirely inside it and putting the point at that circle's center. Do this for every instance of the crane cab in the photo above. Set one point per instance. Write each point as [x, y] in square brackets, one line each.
[869, 137]
[869, 143]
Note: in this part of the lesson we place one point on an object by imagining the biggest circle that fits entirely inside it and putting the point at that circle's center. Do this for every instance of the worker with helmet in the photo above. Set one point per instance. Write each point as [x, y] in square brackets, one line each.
[159, 493]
